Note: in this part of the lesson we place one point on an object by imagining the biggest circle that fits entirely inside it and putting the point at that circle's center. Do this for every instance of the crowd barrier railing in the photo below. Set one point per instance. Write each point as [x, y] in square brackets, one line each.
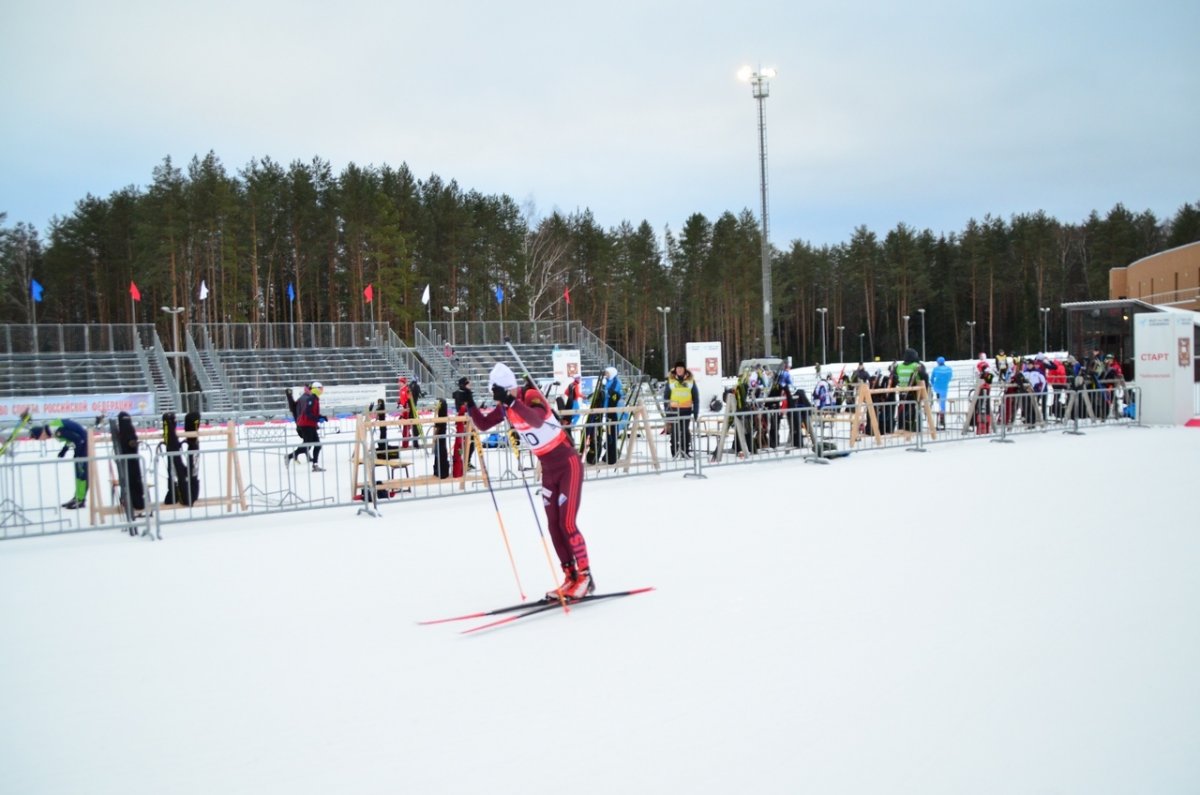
[375, 464]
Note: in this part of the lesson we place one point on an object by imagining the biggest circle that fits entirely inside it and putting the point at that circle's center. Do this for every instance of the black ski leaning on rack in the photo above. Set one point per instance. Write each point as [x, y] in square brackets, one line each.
[179, 488]
[131, 490]
[191, 426]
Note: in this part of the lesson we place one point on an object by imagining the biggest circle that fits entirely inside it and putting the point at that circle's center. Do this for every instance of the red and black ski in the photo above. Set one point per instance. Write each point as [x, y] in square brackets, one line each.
[543, 606]
[531, 608]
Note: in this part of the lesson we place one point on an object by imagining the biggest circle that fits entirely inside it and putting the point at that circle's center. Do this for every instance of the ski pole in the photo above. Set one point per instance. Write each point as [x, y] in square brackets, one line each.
[503, 533]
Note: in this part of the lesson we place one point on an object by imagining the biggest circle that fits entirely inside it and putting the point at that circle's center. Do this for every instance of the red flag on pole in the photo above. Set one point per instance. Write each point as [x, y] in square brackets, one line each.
[369, 294]
[134, 292]
[567, 294]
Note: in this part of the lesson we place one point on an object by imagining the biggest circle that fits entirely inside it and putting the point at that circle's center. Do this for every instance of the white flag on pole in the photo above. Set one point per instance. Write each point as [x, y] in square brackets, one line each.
[203, 290]
[425, 295]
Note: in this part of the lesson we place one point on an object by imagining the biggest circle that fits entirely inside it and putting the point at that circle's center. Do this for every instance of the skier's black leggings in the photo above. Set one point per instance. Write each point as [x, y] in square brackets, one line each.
[312, 442]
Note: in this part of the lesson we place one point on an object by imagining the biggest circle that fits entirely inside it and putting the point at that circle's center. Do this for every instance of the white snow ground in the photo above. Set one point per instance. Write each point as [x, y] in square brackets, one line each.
[983, 618]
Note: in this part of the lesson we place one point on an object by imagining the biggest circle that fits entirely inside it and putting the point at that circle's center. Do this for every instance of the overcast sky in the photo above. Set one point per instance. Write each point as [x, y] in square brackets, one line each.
[927, 113]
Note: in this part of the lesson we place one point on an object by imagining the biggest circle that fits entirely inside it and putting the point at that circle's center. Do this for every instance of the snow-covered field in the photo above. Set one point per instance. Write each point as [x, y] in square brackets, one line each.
[982, 618]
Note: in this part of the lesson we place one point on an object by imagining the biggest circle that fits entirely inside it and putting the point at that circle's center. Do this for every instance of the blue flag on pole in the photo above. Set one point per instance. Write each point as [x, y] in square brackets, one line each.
[499, 294]
[291, 292]
[35, 289]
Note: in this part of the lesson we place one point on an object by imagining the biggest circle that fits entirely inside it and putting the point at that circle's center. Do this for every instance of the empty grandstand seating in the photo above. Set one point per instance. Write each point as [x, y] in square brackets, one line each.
[476, 361]
[71, 373]
[96, 359]
[247, 367]
[481, 344]
[258, 378]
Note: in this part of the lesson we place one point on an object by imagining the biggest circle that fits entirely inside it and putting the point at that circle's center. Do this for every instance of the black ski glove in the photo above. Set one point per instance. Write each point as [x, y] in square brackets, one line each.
[468, 398]
[63, 452]
[502, 395]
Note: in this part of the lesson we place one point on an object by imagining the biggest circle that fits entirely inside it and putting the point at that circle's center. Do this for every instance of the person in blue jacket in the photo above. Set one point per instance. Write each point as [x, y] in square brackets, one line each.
[73, 435]
[940, 379]
[611, 384]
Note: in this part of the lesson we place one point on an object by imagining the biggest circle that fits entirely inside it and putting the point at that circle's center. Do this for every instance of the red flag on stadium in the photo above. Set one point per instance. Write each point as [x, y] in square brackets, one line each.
[567, 294]
[369, 294]
[134, 292]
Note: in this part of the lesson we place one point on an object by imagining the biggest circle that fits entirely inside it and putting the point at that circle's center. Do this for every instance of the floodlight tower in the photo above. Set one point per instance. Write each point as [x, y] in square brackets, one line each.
[761, 89]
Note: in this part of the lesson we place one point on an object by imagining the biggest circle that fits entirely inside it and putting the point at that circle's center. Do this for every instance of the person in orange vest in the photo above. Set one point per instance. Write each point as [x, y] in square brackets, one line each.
[683, 405]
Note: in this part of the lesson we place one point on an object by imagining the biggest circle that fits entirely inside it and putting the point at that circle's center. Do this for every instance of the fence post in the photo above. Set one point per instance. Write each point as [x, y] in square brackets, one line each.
[697, 466]
[818, 453]
[917, 410]
[1074, 409]
[1003, 416]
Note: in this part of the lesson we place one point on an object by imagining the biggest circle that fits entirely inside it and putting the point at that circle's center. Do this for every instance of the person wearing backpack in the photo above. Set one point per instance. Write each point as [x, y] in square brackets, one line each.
[308, 419]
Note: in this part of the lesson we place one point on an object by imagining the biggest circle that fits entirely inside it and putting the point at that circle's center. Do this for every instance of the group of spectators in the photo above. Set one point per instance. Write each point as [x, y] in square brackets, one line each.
[1039, 387]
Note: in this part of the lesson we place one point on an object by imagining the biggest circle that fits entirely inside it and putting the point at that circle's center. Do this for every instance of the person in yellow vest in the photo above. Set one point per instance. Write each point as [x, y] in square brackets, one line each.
[683, 404]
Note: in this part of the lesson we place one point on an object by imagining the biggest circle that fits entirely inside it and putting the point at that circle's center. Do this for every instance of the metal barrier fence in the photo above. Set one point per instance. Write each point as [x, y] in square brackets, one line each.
[260, 473]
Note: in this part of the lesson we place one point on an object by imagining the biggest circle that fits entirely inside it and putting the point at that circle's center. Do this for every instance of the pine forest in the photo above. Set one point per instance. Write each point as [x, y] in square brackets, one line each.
[300, 243]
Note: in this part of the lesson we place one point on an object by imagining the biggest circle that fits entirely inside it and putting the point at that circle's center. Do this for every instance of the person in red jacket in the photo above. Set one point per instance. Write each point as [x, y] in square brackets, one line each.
[529, 413]
[308, 417]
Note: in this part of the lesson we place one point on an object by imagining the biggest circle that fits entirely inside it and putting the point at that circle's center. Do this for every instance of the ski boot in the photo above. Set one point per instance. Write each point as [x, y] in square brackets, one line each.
[318, 468]
[74, 504]
[576, 583]
[581, 586]
[561, 591]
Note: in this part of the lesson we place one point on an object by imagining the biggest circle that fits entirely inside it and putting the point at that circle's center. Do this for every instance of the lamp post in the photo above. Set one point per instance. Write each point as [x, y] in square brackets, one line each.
[761, 89]
[823, 310]
[971, 325]
[666, 361]
[861, 336]
[922, 311]
[1045, 310]
[452, 311]
[174, 313]
[906, 317]
[841, 351]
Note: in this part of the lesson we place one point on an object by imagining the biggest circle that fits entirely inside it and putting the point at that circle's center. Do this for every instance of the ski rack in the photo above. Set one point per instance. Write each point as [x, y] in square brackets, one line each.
[233, 495]
[637, 420]
[364, 461]
[864, 411]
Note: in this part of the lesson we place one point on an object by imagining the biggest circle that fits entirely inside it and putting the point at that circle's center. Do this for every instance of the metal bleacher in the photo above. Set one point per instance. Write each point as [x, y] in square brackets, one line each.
[474, 348]
[245, 368]
[78, 360]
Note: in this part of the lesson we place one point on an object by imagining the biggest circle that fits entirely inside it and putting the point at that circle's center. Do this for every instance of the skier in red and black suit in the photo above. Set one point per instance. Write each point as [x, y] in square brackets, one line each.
[562, 470]
[308, 419]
